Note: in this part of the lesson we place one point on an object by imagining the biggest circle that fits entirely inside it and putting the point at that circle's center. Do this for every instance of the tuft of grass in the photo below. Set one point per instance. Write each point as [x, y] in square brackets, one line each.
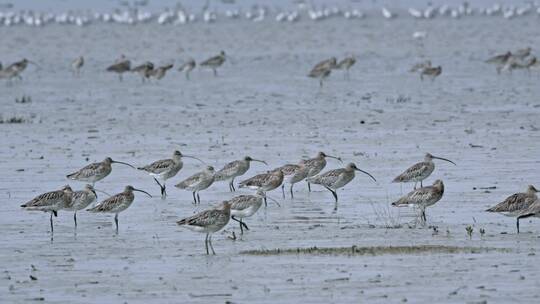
[387, 217]
[373, 251]
[13, 120]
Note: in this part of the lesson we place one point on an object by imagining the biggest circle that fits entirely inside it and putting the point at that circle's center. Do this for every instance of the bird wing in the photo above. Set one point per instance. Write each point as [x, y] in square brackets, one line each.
[45, 199]
[87, 171]
[533, 209]
[227, 170]
[190, 181]
[417, 196]
[327, 178]
[108, 204]
[159, 166]
[515, 202]
[213, 61]
[203, 219]
[257, 180]
[289, 169]
[241, 202]
[415, 170]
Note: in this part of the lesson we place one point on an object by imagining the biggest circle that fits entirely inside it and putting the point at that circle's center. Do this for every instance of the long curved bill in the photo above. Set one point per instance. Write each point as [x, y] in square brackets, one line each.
[334, 157]
[436, 157]
[273, 200]
[142, 192]
[100, 191]
[189, 156]
[367, 174]
[260, 161]
[119, 162]
[32, 62]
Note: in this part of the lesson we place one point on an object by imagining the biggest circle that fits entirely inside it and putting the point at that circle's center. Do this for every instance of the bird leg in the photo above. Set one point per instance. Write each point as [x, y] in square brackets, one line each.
[194, 198]
[421, 185]
[211, 246]
[232, 184]
[283, 190]
[414, 188]
[52, 228]
[206, 244]
[292, 195]
[333, 193]
[198, 198]
[162, 187]
[309, 187]
[75, 219]
[265, 203]
[242, 224]
[116, 222]
[215, 72]
[517, 224]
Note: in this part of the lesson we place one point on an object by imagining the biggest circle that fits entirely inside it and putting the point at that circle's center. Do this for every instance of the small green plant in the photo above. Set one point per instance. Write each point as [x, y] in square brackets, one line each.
[482, 232]
[470, 231]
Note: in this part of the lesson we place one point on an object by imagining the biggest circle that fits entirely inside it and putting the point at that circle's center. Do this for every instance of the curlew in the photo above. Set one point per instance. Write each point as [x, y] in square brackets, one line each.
[516, 204]
[76, 65]
[198, 182]
[165, 169]
[265, 181]
[214, 62]
[293, 174]
[323, 69]
[120, 66]
[208, 221]
[81, 199]
[316, 165]
[52, 202]
[346, 64]
[244, 206]
[187, 67]
[96, 171]
[337, 178]
[422, 197]
[117, 203]
[430, 72]
[145, 70]
[419, 171]
[234, 169]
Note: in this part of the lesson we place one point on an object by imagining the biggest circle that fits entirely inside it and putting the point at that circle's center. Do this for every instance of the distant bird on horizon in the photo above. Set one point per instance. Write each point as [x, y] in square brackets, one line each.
[214, 62]
[121, 66]
[323, 69]
[431, 72]
[145, 70]
[187, 67]
[346, 64]
[160, 72]
[76, 65]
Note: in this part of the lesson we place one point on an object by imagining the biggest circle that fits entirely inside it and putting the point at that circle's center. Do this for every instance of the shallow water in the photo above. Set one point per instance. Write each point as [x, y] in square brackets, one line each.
[263, 105]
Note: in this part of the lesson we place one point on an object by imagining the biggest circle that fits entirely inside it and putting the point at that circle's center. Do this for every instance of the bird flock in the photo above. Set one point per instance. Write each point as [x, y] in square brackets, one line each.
[137, 13]
[521, 59]
[238, 208]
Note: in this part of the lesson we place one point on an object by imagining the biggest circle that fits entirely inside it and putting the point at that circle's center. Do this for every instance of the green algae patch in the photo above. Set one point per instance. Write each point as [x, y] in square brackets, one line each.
[375, 250]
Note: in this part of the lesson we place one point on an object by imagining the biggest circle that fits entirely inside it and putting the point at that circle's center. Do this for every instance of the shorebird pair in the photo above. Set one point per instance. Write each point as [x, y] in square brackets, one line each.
[424, 196]
[324, 68]
[67, 199]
